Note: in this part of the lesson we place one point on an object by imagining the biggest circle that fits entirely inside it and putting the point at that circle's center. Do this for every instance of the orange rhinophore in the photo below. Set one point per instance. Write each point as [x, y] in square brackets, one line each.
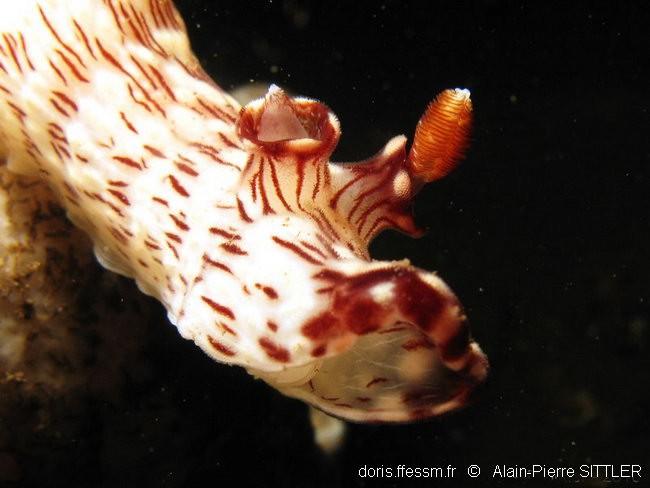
[442, 135]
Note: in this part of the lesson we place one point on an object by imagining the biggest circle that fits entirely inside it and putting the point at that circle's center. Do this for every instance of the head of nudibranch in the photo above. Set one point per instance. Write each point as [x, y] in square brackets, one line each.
[363, 340]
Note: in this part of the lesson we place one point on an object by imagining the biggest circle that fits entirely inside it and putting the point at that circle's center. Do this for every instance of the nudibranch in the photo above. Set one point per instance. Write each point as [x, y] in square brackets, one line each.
[234, 218]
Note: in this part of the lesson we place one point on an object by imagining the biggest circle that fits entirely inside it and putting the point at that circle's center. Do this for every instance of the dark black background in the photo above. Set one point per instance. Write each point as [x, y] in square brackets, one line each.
[542, 232]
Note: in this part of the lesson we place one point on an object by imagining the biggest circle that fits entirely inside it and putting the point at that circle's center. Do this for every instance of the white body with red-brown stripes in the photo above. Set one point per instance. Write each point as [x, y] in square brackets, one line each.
[234, 219]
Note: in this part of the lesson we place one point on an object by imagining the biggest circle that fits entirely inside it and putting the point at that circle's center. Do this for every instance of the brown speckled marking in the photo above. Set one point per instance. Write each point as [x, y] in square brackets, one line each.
[220, 309]
[220, 347]
[274, 351]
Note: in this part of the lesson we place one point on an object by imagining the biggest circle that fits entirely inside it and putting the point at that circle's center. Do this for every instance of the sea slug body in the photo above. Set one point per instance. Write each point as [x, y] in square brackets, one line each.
[234, 218]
